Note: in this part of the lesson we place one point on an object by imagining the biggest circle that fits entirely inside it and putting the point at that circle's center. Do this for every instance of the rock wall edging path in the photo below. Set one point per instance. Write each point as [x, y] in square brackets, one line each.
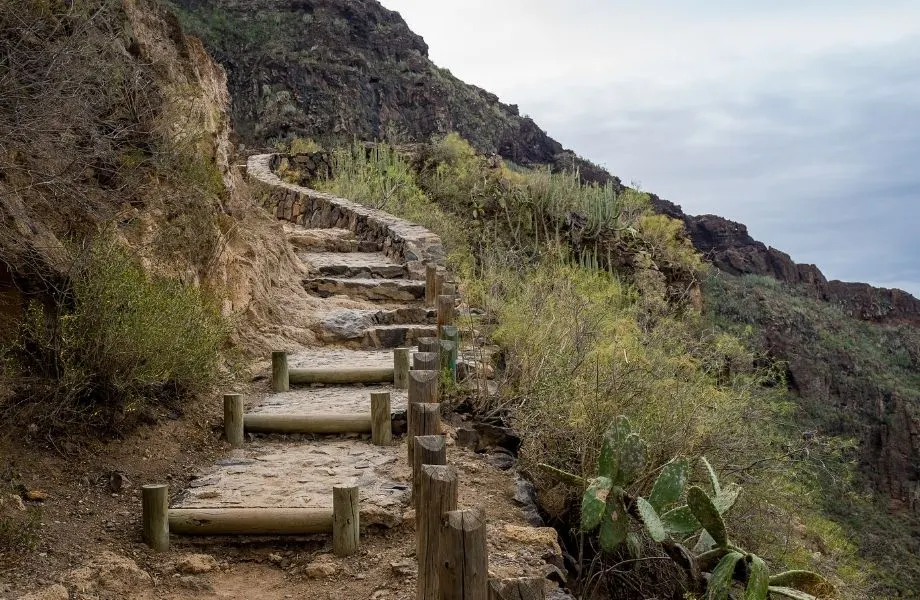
[402, 240]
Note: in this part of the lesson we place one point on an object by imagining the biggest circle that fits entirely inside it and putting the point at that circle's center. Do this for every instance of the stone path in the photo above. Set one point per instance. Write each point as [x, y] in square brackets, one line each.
[300, 471]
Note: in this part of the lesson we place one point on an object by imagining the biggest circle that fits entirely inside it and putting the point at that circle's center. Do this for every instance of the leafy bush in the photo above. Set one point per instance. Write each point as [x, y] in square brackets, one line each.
[116, 340]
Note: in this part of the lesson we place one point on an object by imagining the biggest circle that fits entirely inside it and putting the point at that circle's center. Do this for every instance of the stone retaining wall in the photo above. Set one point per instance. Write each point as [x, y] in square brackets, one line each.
[401, 240]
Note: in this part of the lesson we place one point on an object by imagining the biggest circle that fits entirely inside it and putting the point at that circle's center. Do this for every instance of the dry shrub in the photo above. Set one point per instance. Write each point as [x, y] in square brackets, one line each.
[114, 343]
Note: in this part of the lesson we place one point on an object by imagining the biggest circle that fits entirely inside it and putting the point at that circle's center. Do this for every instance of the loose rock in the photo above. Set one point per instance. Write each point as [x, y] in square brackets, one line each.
[195, 564]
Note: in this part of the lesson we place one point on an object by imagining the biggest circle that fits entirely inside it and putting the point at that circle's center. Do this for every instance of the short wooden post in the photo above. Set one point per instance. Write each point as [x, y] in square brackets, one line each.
[427, 344]
[345, 521]
[437, 496]
[445, 311]
[381, 419]
[449, 289]
[233, 419]
[446, 359]
[450, 332]
[425, 361]
[280, 382]
[401, 368]
[431, 284]
[464, 564]
[429, 450]
[520, 588]
[424, 419]
[155, 516]
[423, 387]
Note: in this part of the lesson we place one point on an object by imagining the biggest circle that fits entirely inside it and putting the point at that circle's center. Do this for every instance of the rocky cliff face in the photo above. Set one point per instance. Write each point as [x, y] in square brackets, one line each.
[344, 68]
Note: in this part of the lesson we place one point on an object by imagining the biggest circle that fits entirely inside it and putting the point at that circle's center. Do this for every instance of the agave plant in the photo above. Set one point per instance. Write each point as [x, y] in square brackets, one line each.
[675, 516]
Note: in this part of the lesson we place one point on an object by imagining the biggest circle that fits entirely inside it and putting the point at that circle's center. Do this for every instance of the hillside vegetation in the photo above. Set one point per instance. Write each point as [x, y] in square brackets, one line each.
[595, 302]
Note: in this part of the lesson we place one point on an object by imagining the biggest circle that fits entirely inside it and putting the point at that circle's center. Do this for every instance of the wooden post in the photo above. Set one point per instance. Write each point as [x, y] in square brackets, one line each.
[446, 359]
[464, 564]
[431, 283]
[345, 520]
[423, 387]
[280, 382]
[427, 344]
[437, 496]
[424, 419]
[429, 450]
[401, 368]
[449, 289]
[381, 419]
[450, 332]
[519, 588]
[233, 419]
[425, 361]
[445, 311]
[155, 515]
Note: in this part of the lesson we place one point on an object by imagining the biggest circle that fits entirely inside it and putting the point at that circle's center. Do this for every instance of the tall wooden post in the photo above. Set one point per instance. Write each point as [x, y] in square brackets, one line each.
[437, 497]
[429, 450]
[233, 419]
[401, 368]
[445, 311]
[423, 387]
[431, 284]
[425, 361]
[424, 419]
[464, 563]
[450, 332]
[381, 419]
[427, 344]
[345, 520]
[280, 382]
[446, 359]
[155, 516]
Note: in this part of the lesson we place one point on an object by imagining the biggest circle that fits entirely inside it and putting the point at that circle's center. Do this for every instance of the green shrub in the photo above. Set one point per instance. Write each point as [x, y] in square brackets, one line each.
[117, 340]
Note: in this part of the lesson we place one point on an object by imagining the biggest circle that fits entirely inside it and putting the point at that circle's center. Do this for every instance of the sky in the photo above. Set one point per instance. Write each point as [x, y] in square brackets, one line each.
[799, 119]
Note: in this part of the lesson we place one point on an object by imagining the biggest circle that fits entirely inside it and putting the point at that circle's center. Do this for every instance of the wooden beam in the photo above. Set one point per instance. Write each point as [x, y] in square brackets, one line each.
[233, 419]
[437, 497]
[464, 564]
[309, 423]
[155, 511]
[341, 375]
[381, 419]
[250, 521]
[280, 380]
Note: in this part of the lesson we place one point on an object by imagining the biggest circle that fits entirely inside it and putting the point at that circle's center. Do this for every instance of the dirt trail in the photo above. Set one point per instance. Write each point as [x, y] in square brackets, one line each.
[362, 303]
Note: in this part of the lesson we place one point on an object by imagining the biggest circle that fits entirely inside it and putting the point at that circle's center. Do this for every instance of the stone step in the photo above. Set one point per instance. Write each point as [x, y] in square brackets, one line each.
[368, 265]
[329, 240]
[396, 336]
[351, 324]
[378, 290]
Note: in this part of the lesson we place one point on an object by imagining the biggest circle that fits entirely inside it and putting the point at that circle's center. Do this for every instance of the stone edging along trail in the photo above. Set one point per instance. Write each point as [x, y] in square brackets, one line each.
[380, 263]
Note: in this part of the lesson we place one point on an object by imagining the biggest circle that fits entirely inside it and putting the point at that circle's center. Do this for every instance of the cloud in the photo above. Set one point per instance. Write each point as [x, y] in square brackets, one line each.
[798, 119]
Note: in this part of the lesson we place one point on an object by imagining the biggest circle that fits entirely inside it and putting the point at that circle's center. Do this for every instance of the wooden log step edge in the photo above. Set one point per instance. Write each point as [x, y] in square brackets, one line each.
[340, 375]
[310, 423]
[250, 521]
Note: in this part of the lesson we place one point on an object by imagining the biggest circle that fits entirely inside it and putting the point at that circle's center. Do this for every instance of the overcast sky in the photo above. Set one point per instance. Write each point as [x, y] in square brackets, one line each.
[799, 119]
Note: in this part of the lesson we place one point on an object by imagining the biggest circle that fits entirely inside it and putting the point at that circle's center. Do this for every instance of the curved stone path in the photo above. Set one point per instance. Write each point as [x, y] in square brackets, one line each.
[300, 471]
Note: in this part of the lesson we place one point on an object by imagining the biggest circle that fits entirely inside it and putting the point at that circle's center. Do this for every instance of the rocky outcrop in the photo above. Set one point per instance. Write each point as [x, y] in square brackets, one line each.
[728, 246]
